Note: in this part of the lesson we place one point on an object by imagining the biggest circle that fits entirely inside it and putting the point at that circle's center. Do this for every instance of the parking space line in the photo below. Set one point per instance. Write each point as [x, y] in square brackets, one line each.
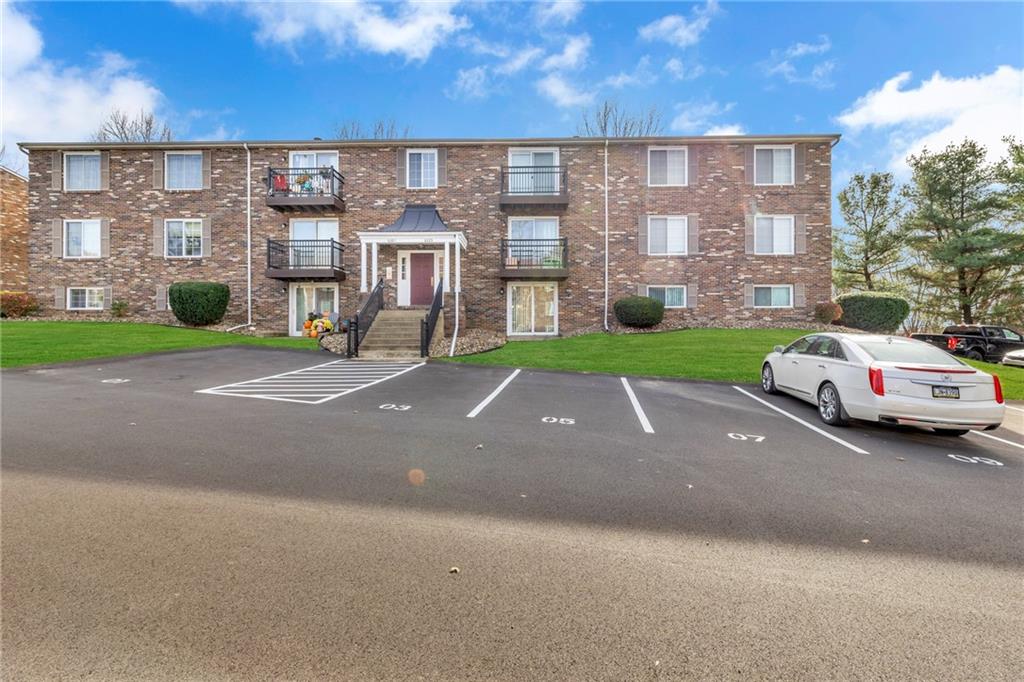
[494, 394]
[1001, 440]
[1015, 409]
[644, 421]
[798, 420]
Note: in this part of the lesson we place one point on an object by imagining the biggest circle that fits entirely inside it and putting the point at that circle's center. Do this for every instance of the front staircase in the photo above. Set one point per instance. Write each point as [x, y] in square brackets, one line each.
[394, 334]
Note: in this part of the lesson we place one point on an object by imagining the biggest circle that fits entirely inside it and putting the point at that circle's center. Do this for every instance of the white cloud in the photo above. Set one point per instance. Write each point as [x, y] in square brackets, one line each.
[787, 64]
[469, 84]
[564, 94]
[677, 30]
[696, 114]
[941, 111]
[560, 12]
[518, 61]
[45, 100]
[678, 71]
[641, 75]
[726, 129]
[573, 54]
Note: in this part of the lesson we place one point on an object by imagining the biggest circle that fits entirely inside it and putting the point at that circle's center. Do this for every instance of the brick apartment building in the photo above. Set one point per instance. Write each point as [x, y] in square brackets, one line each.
[13, 231]
[534, 236]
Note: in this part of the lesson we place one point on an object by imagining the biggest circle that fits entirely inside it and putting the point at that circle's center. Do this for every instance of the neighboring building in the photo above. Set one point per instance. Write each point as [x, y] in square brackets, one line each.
[725, 230]
[13, 231]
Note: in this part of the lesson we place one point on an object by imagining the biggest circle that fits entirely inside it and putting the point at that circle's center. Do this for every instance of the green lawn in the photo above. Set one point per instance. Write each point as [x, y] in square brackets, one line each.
[35, 343]
[733, 355]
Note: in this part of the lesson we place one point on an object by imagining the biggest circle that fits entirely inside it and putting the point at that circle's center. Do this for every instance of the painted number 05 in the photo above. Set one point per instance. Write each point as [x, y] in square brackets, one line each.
[746, 436]
[391, 406]
[558, 420]
[977, 460]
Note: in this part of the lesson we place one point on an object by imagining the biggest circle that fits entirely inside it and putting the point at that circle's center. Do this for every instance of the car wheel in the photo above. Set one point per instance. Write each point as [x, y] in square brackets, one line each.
[951, 432]
[768, 379]
[830, 407]
[974, 355]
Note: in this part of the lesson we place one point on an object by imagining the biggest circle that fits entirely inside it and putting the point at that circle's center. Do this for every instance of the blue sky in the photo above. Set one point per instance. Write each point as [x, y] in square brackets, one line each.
[891, 77]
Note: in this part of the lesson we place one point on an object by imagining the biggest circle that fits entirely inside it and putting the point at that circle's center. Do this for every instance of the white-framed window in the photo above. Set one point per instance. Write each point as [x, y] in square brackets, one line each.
[313, 159]
[773, 165]
[183, 170]
[81, 171]
[666, 166]
[82, 239]
[773, 296]
[421, 168]
[773, 235]
[533, 308]
[671, 296]
[85, 298]
[666, 235]
[183, 238]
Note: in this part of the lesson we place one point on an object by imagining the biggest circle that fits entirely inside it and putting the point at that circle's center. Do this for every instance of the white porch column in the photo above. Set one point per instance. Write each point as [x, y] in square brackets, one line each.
[362, 266]
[374, 270]
[446, 275]
[458, 268]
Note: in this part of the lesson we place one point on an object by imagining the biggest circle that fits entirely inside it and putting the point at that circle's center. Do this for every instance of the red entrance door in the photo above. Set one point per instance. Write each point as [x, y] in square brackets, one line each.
[421, 278]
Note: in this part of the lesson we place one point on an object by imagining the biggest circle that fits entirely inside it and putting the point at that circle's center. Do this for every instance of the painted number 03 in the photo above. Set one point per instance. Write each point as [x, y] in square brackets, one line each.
[746, 436]
[392, 406]
[977, 460]
[558, 420]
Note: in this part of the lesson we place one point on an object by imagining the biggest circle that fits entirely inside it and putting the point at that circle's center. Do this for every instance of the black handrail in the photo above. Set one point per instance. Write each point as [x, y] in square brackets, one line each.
[534, 253]
[428, 323]
[290, 254]
[534, 179]
[360, 323]
[305, 182]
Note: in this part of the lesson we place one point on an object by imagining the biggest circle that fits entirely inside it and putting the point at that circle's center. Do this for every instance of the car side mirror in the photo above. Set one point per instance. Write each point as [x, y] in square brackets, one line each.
[779, 349]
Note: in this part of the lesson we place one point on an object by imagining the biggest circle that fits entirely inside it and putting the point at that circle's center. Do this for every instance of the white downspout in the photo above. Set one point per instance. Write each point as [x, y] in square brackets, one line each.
[458, 288]
[606, 234]
[248, 238]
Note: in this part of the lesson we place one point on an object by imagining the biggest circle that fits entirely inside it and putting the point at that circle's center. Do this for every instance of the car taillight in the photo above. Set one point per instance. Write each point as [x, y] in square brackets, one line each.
[951, 342]
[876, 381]
[999, 389]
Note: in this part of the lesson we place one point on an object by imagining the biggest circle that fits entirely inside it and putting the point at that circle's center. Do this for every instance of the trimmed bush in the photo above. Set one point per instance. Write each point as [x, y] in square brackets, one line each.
[873, 311]
[639, 311]
[17, 304]
[827, 313]
[199, 303]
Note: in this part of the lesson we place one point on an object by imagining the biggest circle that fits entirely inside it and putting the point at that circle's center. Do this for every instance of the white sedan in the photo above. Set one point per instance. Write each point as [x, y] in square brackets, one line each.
[1014, 358]
[888, 379]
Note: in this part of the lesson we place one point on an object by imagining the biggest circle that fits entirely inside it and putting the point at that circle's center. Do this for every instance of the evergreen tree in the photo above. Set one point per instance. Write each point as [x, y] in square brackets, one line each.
[869, 248]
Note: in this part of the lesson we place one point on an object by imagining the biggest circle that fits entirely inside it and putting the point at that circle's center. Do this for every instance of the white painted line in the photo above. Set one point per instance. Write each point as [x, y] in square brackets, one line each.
[1015, 409]
[644, 422]
[494, 394]
[272, 376]
[798, 420]
[1001, 440]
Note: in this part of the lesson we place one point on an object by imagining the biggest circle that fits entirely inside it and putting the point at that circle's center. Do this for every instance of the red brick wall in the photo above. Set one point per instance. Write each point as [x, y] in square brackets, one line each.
[13, 231]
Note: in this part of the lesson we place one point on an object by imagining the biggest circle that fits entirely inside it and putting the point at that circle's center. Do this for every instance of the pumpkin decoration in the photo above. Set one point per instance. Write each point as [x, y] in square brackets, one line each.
[312, 333]
[307, 324]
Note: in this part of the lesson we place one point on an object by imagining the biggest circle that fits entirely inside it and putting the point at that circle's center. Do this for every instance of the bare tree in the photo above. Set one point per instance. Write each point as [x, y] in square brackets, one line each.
[610, 120]
[382, 130]
[120, 126]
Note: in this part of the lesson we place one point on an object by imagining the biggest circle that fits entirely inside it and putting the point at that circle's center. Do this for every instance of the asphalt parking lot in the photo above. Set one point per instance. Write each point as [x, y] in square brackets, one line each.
[639, 456]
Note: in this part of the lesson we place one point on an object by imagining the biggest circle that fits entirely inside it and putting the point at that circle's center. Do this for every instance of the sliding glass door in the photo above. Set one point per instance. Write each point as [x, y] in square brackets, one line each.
[533, 308]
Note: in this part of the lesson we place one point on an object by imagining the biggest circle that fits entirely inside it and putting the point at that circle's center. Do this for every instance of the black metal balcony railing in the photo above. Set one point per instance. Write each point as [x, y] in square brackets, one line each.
[534, 254]
[305, 182]
[534, 180]
[304, 254]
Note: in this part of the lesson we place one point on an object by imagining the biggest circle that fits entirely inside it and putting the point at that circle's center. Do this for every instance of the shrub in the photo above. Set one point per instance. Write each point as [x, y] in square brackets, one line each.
[119, 308]
[17, 304]
[639, 311]
[827, 313]
[873, 311]
[199, 303]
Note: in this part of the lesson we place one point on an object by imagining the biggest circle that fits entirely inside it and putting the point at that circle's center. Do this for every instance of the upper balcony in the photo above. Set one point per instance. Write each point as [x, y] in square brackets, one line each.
[290, 259]
[535, 186]
[309, 189]
[543, 259]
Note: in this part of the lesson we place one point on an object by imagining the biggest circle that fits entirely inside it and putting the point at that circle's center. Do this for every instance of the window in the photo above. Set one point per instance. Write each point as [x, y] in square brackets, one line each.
[184, 238]
[773, 165]
[183, 170]
[776, 296]
[82, 239]
[666, 166]
[1011, 335]
[421, 169]
[666, 235]
[801, 345]
[906, 350]
[670, 296]
[81, 171]
[533, 171]
[773, 235]
[314, 160]
[85, 298]
[533, 308]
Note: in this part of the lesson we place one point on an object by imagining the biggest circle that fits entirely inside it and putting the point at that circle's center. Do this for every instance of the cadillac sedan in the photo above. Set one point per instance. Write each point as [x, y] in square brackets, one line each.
[888, 379]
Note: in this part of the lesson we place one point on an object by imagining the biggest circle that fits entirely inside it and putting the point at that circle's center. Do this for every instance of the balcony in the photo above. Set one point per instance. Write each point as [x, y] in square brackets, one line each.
[545, 259]
[304, 259]
[305, 189]
[534, 186]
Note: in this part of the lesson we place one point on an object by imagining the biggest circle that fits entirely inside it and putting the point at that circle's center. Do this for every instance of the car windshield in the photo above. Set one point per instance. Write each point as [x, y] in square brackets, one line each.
[905, 351]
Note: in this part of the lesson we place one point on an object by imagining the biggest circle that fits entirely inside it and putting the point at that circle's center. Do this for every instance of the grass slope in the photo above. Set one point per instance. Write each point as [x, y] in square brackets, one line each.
[33, 343]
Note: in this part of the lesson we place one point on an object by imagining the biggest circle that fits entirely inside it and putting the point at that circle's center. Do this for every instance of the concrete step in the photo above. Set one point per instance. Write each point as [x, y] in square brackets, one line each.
[411, 347]
[390, 355]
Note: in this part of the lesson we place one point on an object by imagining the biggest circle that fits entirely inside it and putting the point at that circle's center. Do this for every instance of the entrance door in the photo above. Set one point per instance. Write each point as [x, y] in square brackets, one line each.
[310, 298]
[542, 176]
[533, 308]
[421, 278]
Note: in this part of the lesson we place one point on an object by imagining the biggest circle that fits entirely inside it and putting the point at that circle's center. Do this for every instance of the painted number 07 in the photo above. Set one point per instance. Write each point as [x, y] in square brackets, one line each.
[558, 420]
[746, 436]
[977, 460]
[391, 406]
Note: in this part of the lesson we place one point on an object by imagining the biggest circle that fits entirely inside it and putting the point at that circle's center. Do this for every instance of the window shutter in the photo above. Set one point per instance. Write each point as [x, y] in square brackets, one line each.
[59, 298]
[57, 171]
[800, 163]
[799, 296]
[442, 167]
[692, 166]
[207, 238]
[105, 237]
[108, 297]
[748, 295]
[400, 167]
[207, 169]
[692, 234]
[800, 234]
[691, 295]
[158, 170]
[749, 233]
[644, 154]
[158, 238]
[161, 297]
[57, 234]
[641, 289]
[641, 236]
[748, 166]
[105, 170]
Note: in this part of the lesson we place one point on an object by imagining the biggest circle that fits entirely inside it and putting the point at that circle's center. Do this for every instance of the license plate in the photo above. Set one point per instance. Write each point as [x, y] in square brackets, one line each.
[950, 392]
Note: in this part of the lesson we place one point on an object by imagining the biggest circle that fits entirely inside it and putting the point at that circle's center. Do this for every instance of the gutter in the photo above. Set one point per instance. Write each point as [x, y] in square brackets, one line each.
[248, 238]
[606, 234]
